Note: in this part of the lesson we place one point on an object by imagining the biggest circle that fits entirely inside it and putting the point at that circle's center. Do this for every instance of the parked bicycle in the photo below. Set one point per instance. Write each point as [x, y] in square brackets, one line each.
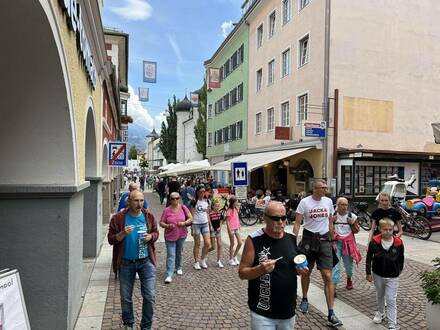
[413, 223]
[363, 216]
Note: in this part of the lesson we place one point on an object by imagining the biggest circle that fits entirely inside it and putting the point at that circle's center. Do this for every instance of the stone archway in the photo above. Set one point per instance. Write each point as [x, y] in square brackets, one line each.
[40, 198]
[92, 219]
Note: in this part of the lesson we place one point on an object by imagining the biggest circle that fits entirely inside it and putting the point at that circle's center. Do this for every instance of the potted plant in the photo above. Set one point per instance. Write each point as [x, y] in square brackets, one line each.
[431, 286]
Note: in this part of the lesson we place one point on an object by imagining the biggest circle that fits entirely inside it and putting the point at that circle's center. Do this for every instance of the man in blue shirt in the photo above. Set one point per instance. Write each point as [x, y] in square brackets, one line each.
[123, 200]
[132, 233]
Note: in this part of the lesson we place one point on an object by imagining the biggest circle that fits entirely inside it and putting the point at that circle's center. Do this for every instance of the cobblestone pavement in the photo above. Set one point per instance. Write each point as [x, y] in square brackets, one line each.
[206, 299]
[411, 300]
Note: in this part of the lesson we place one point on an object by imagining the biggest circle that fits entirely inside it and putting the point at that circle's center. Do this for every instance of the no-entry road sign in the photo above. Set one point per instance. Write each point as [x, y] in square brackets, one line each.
[117, 154]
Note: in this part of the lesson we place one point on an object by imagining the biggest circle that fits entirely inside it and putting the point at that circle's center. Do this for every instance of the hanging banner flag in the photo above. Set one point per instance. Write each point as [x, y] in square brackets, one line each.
[194, 99]
[213, 77]
[150, 72]
[144, 94]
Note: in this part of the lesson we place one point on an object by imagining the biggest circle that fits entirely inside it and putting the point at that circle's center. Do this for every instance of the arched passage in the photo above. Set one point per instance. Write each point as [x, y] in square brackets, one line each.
[90, 144]
[40, 200]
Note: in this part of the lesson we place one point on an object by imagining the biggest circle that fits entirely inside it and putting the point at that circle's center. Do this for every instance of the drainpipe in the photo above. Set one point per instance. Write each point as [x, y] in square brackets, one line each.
[326, 84]
[335, 134]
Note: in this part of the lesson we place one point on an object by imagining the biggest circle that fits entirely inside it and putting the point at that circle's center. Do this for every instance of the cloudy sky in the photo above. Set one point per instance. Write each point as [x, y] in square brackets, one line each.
[180, 35]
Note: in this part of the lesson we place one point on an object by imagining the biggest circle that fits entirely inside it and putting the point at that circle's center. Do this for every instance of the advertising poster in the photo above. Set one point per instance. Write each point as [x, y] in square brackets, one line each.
[13, 314]
[213, 78]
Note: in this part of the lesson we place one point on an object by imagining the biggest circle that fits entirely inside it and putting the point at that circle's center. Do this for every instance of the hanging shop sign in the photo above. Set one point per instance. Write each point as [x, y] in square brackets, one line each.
[72, 9]
[144, 94]
[314, 129]
[214, 78]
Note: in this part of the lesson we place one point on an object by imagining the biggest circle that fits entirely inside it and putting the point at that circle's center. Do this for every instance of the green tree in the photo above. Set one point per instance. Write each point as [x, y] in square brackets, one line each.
[132, 153]
[200, 127]
[168, 133]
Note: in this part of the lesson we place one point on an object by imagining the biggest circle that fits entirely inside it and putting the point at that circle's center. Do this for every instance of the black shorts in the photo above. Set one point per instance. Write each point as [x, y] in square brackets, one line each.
[317, 248]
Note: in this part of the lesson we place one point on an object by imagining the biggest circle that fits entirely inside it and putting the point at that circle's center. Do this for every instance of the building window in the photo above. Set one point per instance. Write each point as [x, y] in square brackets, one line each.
[260, 36]
[285, 66]
[226, 134]
[259, 79]
[233, 130]
[123, 107]
[272, 20]
[209, 111]
[304, 51]
[270, 119]
[240, 92]
[226, 102]
[234, 60]
[240, 129]
[219, 136]
[270, 72]
[240, 54]
[209, 139]
[233, 95]
[303, 3]
[287, 4]
[258, 123]
[303, 102]
[285, 114]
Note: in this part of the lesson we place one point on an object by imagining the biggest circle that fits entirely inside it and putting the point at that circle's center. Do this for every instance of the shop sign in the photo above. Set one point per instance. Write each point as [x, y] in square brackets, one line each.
[214, 78]
[72, 9]
[314, 129]
[282, 133]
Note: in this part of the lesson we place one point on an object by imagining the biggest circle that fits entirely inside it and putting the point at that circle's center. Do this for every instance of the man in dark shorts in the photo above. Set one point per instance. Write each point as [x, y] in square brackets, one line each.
[316, 243]
[267, 263]
[172, 186]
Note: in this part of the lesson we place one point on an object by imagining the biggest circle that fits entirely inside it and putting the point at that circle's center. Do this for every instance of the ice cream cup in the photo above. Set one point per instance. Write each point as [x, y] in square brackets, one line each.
[301, 261]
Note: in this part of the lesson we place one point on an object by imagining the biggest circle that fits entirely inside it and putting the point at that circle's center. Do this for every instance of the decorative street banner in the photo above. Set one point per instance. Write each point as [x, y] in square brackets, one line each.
[117, 154]
[194, 99]
[144, 94]
[214, 78]
[13, 314]
[314, 129]
[150, 72]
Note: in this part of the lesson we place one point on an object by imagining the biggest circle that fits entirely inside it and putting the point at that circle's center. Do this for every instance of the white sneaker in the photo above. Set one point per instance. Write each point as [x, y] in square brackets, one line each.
[220, 264]
[378, 317]
[236, 260]
[197, 266]
[232, 262]
[203, 264]
[168, 280]
[179, 272]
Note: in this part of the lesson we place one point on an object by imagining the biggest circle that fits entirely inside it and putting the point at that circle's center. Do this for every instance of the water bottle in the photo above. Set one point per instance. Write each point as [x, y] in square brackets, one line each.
[142, 245]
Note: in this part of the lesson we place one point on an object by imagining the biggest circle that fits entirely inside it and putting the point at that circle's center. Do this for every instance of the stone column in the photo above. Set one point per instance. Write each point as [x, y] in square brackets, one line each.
[42, 237]
[92, 234]
[107, 202]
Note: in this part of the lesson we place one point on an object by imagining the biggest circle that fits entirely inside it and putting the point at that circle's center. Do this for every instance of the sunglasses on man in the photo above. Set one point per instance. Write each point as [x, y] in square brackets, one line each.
[276, 217]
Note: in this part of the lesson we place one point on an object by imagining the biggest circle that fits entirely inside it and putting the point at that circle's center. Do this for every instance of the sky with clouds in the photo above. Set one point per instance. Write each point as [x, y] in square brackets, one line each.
[180, 35]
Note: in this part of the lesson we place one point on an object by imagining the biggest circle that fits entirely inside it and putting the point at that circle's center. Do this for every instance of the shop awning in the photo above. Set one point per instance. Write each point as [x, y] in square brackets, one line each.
[188, 168]
[257, 160]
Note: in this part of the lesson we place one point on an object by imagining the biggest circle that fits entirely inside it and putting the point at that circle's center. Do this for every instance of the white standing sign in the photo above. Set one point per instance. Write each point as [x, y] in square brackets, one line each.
[13, 314]
[241, 192]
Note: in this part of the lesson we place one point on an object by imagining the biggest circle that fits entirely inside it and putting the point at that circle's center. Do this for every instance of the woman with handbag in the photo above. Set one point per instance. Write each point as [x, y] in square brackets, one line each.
[174, 220]
[344, 244]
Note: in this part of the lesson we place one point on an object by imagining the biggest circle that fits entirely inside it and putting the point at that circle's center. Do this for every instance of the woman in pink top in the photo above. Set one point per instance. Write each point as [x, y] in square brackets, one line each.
[174, 220]
[233, 225]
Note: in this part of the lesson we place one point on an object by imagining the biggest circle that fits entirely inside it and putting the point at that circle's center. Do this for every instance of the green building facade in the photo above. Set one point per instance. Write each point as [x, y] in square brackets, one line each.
[227, 105]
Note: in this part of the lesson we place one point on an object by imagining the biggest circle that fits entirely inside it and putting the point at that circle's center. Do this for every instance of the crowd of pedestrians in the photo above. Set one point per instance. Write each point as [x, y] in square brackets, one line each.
[327, 241]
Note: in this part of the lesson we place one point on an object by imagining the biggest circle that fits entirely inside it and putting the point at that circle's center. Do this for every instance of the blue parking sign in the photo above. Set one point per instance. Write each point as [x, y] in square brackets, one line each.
[239, 174]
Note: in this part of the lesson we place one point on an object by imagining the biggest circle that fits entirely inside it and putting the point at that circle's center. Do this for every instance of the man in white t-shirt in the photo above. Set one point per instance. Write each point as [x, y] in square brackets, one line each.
[316, 243]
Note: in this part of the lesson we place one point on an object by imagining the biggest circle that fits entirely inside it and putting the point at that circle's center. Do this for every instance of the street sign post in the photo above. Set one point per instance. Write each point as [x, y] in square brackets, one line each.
[314, 129]
[239, 174]
[241, 192]
[117, 154]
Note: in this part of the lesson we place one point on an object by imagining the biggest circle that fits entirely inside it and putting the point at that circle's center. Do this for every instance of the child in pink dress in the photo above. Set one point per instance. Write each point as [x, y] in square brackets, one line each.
[233, 225]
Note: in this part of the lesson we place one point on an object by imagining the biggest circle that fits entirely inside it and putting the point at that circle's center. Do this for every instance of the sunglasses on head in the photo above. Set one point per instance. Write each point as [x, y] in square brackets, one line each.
[276, 217]
[175, 198]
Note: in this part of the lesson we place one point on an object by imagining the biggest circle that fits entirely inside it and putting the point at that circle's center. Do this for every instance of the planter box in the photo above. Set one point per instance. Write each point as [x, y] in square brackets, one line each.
[432, 316]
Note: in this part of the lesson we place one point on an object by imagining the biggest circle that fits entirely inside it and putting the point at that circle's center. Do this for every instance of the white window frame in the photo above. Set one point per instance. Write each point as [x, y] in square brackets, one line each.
[260, 41]
[284, 74]
[287, 119]
[209, 139]
[270, 123]
[258, 123]
[303, 4]
[270, 31]
[209, 111]
[286, 19]
[298, 110]
[259, 80]
[271, 65]
[300, 50]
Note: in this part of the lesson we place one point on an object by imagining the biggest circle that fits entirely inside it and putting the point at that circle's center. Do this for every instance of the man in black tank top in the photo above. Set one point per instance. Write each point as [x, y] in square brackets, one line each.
[267, 263]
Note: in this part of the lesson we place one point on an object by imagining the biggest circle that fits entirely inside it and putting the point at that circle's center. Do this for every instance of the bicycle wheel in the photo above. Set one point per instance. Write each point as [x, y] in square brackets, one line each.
[248, 219]
[364, 220]
[422, 227]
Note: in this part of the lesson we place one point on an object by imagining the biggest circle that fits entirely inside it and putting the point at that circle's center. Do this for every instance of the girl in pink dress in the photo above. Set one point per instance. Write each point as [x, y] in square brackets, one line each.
[233, 225]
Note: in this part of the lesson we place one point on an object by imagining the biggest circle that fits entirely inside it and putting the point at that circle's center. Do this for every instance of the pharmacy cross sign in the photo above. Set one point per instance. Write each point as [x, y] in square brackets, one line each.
[117, 154]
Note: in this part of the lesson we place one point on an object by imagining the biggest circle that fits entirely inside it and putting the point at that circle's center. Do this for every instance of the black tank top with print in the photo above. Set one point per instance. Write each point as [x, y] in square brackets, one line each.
[273, 295]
